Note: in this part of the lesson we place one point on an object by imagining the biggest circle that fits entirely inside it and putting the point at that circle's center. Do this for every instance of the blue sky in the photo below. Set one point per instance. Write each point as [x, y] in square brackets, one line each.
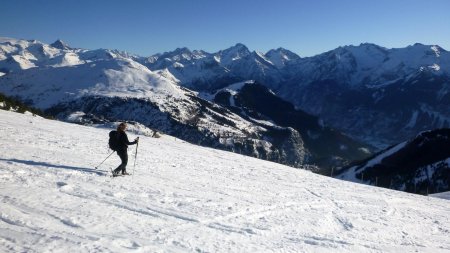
[304, 27]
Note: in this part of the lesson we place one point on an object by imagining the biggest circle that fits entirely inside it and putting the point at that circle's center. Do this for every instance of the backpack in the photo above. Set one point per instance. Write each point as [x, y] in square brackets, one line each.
[113, 140]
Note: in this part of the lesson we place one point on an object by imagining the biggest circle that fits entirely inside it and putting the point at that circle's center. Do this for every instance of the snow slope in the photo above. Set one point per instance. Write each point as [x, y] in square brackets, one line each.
[350, 174]
[442, 195]
[186, 198]
[65, 75]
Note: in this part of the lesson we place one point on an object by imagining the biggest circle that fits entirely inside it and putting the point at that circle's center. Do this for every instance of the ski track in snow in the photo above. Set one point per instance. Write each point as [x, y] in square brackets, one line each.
[185, 198]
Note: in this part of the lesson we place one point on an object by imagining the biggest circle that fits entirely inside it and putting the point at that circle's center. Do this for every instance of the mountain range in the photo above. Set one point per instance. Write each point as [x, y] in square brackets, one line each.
[101, 86]
[380, 96]
[315, 110]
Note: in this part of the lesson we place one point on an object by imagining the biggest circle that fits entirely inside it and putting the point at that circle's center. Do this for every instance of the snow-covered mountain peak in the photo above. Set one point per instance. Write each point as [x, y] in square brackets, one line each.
[151, 59]
[181, 50]
[287, 54]
[281, 56]
[368, 46]
[239, 47]
[182, 55]
[233, 53]
[364, 51]
[428, 50]
[60, 45]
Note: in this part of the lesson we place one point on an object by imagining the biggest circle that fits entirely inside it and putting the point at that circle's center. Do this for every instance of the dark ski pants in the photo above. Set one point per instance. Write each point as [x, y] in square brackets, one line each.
[124, 158]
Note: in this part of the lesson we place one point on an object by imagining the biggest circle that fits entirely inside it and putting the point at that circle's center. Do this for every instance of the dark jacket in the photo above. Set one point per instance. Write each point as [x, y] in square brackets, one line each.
[123, 141]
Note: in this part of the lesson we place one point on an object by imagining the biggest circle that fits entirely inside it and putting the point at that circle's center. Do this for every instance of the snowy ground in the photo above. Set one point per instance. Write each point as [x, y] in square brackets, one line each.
[186, 198]
[442, 195]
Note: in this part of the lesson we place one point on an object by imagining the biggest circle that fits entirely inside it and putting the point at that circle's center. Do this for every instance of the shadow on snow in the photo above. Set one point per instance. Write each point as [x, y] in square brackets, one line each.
[49, 165]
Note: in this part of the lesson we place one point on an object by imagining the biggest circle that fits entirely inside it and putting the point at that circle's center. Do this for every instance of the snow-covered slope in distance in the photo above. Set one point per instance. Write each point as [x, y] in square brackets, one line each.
[186, 198]
[59, 75]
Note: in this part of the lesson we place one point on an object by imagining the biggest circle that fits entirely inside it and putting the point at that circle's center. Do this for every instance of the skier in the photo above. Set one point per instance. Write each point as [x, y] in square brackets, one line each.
[122, 146]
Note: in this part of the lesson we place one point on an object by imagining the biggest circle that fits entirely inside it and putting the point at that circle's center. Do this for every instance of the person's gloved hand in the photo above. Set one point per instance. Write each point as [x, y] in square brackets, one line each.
[136, 140]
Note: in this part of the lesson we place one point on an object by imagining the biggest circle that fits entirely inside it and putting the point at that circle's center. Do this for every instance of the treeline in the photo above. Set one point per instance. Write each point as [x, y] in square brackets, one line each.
[12, 104]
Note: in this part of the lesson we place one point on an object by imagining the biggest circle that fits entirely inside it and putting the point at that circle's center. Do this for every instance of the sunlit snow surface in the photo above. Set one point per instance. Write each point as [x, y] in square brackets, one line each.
[185, 198]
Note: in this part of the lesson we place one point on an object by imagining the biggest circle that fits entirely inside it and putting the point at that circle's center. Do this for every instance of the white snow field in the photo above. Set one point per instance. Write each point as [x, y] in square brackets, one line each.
[186, 198]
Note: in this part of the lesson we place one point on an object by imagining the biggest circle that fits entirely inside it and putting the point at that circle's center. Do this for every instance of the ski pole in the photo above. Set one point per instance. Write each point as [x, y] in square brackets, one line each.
[135, 157]
[96, 167]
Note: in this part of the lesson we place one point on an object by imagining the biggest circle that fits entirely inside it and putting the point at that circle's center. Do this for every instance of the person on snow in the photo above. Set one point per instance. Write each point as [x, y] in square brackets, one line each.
[122, 146]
